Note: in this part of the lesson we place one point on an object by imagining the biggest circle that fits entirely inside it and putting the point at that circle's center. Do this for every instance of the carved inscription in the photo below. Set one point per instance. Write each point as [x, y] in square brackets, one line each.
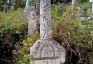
[45, 19]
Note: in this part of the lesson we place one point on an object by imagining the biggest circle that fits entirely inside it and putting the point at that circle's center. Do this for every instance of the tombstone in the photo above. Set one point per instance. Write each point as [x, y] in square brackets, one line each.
[32, 18]
[27, 5]
[12, 5]
[46, 50]
[73, 4]
[5, 7]
[91, 1]
[83, 14]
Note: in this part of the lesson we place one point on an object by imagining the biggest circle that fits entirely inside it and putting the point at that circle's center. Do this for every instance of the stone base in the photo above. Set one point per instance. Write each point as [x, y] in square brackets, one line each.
[47, 61]
[83, 18]
[48, 49]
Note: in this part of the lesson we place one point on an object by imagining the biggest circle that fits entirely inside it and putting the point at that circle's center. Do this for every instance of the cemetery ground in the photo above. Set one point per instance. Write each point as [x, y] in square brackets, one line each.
[67, 28]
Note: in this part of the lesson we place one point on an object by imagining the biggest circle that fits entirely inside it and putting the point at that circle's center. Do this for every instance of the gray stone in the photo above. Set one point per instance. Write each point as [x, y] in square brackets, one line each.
[46, 49]
[27, 5]
[54, 61]
[73, 4]
[45, 19]
[30, 15]
[41, 62]
[47, 61]
[24, 15]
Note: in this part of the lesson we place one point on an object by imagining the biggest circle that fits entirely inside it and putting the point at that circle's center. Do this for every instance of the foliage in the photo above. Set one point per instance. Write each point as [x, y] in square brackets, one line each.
[20, 3]
[13, 35]
[82, 1]
[21, 52]
[12, 30]
[67, 27]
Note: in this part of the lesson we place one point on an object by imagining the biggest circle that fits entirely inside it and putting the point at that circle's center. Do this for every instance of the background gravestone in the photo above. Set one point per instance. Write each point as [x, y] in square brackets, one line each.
[13, 3]
[31, 16]
[5, 7]
[73, 4]
[46, 50]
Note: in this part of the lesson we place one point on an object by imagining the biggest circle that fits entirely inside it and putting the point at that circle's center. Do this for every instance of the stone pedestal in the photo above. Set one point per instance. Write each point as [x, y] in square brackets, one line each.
[47, 61]
[47, 50]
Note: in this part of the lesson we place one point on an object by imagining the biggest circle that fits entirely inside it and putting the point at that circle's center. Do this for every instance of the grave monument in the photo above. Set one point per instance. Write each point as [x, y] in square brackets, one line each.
[12, 4]
[73, 4]
[30, 14]
[45, 50]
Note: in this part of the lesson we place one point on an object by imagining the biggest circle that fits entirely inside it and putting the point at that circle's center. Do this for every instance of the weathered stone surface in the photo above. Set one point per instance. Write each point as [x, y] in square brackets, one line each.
[45, 19]
[41, 62]
[91, 1]
[73, 4]
[54, 61]
[42, 49]
[24, 15]
[30, 15]
[32, 23]
[47, 61]
[27, 5]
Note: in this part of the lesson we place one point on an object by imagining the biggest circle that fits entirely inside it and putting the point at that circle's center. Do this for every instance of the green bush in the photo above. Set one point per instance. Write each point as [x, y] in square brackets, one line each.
[12, 30]
[67, 27]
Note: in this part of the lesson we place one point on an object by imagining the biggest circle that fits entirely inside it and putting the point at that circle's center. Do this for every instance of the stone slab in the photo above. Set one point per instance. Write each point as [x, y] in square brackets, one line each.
[46, 61]
[41, 62]
[54, 61]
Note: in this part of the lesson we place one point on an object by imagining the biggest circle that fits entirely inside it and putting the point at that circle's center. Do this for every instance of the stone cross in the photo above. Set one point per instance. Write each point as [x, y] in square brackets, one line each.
[45, 50]
[30, 15]
[73, 4]
[5, 7]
